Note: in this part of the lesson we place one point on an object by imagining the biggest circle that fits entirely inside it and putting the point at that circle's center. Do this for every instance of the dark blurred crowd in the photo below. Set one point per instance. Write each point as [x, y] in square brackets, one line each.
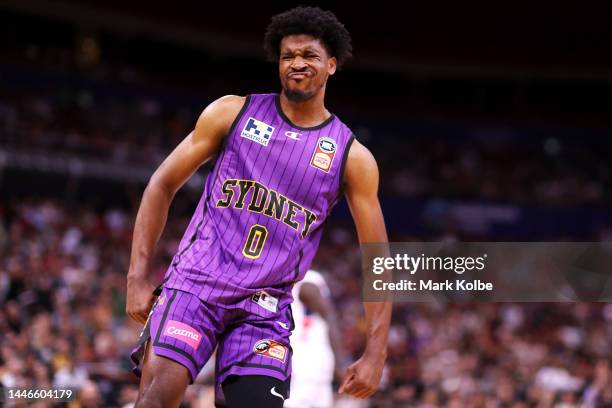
[69, 100]
[142, 131]
[72, 121]
[62, 324]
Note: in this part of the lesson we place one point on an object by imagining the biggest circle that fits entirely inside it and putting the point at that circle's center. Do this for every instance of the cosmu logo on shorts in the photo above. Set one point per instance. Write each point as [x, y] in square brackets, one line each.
[257, 131]
[324, 153]
[183, 332]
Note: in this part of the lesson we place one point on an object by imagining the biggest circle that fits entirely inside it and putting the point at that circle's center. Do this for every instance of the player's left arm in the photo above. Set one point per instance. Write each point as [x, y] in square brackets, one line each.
[361, 184]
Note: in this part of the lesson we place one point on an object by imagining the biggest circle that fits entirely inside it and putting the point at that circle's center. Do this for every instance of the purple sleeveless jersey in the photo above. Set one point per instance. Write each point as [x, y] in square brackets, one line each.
[258, 224]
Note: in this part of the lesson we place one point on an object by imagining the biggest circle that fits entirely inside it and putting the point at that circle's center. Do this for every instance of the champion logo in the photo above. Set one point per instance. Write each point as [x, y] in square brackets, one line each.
[293, 135]
[183, 332]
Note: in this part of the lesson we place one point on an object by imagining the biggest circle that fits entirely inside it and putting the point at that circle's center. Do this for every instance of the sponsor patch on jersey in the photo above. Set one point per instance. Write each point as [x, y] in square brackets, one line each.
[263, 299]
[257, 131]
[270, 348]
[324, 153]
[292, 135]
[183, 332]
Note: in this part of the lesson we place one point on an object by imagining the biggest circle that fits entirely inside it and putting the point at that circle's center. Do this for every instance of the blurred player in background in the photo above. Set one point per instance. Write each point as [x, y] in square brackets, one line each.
[282, 161]
[315, 342]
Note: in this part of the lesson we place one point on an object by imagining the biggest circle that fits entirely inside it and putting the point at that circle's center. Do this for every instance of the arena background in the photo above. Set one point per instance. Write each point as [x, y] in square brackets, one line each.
[490, 122]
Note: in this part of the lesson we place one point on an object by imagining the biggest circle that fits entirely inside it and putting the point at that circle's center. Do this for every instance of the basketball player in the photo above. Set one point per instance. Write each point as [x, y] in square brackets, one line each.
[281, 162]
[315, 342]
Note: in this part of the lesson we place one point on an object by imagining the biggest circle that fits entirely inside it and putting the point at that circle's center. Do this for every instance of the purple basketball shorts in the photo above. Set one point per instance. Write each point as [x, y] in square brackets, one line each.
[187, 330]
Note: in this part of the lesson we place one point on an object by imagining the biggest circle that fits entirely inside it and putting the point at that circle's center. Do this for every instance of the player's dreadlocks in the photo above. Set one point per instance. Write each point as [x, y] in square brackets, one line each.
[314, 21]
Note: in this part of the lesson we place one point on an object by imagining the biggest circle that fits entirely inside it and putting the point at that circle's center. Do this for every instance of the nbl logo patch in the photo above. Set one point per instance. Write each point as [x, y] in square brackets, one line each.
[324, 153]
[270, 348]
[257, 131]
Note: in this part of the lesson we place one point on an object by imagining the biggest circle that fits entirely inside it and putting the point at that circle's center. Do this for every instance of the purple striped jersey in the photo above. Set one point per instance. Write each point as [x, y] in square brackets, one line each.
[259, 221]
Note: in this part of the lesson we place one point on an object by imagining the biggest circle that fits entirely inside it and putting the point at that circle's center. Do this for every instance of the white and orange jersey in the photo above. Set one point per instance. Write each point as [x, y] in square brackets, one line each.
[313, 358]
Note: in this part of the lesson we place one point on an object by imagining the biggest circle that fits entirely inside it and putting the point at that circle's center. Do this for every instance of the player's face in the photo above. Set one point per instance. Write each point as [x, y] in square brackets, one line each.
[304, 66]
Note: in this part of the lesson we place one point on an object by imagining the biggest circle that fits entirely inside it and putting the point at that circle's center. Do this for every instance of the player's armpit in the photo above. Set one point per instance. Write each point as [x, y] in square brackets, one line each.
[200, 145]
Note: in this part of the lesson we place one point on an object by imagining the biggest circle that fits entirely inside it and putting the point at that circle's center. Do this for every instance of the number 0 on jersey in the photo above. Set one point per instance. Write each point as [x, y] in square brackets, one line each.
[255, 241]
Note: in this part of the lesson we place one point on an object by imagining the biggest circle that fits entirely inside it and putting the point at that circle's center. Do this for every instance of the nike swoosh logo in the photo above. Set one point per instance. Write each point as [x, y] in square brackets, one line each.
[276, 394]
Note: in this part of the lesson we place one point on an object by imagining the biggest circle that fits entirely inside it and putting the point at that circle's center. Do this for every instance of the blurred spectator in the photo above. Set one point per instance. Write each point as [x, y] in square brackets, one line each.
[62, 324]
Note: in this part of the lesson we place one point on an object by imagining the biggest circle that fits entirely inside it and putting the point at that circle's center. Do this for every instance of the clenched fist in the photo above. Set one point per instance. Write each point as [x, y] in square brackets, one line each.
[140, 299]
[363, 376]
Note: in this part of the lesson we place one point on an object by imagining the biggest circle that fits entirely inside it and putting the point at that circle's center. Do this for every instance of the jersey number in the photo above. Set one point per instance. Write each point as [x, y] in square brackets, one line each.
[255, 241]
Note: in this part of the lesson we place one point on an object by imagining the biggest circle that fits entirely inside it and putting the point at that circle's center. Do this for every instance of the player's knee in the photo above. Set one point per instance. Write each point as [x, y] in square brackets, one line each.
[151, 396]
[148, 399]
[147, 402]
[255, 391]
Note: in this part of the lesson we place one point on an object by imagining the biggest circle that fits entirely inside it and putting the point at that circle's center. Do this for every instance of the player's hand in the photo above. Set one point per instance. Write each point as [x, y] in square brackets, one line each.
[363, 376]
[140, 299]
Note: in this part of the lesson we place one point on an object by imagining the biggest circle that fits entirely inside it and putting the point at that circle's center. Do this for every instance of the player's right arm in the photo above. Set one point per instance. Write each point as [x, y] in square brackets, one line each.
[199, 146]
